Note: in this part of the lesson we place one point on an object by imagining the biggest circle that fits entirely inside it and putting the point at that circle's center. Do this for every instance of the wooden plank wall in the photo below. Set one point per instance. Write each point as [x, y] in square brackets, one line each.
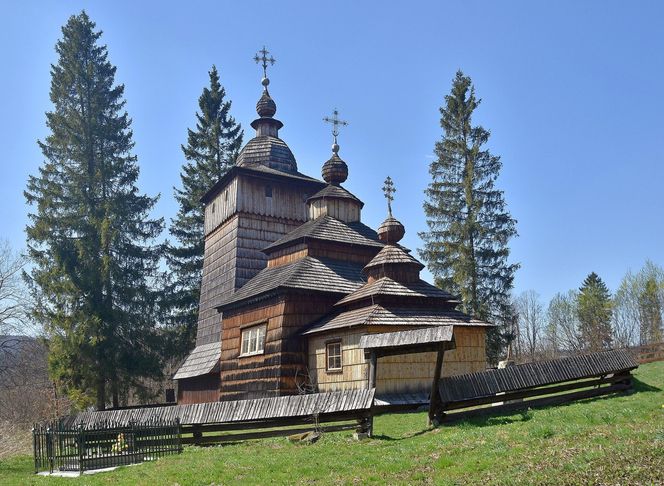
[395, 374]
[288, 201]
[199, 389]
[222, 207]
[344, 210]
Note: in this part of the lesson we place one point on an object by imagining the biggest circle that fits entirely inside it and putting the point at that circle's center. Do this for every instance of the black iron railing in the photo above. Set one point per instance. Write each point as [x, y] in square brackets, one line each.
[60, 448]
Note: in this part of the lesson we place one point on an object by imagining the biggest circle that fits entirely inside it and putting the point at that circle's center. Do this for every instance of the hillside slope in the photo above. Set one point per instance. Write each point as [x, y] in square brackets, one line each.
[608, 440]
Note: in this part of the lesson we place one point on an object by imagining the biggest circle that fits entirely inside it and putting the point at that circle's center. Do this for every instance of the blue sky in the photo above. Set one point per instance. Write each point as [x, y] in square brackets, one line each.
[572, 93]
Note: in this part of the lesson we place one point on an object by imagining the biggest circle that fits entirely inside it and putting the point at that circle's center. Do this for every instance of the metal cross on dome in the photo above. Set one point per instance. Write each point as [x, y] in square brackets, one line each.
[264, 59]
[389, 190]
[336, 123]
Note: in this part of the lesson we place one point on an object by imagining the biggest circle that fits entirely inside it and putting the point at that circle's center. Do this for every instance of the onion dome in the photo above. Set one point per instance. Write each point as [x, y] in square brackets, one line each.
[391, 231]
[335, 170]
[266, 107]
[266, 148]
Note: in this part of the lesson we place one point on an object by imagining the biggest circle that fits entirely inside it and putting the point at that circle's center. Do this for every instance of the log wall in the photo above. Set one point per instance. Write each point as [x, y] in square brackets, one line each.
[272, 373]
[395, 374]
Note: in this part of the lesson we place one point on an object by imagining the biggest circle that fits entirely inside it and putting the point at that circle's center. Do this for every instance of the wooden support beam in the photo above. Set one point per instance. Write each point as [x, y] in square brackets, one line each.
[534, 392]
[538, 402]
[373, 363]
[435, 410]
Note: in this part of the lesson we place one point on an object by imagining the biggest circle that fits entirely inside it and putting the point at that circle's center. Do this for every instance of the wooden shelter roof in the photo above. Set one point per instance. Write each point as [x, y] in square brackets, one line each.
[308, 273]
[202, 360]
[234, 410]
[414, 337]
[529, 375]
[387, 287]
[378, 315]
[327, 228]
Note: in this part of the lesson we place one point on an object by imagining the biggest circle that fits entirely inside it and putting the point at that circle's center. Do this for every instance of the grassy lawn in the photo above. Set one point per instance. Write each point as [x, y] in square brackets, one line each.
[608, 440]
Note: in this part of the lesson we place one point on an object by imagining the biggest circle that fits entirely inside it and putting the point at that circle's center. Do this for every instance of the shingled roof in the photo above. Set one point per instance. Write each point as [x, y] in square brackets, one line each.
[377, 315]
[313, 274]
[387, 286]
[257, 170]
[391, 254]
[335, 192]
[202, 360]
[327, 228]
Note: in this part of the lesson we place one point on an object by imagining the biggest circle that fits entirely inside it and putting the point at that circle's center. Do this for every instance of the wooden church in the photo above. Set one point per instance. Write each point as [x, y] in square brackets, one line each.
[292, 281]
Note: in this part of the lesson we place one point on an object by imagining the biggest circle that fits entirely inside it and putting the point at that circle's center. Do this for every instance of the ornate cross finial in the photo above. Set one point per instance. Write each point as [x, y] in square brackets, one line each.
[389, 190]
[264, 60]
[336, 123]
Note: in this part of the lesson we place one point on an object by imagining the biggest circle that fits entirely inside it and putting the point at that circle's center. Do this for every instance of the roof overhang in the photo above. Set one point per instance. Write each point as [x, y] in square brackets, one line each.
[408, 342]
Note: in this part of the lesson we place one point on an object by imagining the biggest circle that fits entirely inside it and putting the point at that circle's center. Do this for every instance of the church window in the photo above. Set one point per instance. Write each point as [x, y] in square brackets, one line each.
[253, 340]
[333, 356]
[268, 191]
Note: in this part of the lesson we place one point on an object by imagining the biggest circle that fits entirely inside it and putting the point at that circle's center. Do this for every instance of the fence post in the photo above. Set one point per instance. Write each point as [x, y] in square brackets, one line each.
[81, 448]
[34, 447]
[178, 431]
[49, 448]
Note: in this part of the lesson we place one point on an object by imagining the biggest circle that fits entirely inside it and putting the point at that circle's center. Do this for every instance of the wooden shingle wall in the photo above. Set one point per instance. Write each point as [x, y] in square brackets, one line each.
[274, 372]
[239, 222]
[218, 278]
[395, 374]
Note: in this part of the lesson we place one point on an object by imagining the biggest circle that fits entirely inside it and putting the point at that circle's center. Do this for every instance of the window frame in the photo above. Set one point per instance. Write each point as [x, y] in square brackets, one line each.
[334, 342]
[253, 334]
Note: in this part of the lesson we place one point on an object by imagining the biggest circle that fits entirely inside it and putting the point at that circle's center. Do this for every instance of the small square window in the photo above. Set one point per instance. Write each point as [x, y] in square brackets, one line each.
[253, 340]
[333, 356]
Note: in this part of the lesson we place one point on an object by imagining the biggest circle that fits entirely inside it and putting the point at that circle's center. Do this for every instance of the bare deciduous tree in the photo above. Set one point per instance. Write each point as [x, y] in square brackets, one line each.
[12, 291]
[530, 324]
[563, 317]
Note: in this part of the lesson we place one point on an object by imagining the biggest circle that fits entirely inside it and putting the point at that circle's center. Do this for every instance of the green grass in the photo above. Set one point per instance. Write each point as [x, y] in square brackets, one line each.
[607, 440]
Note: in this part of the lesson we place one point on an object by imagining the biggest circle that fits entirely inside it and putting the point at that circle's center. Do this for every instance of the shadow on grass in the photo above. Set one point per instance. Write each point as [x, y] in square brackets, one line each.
[641, 386]
[390, 438]
[486, 417]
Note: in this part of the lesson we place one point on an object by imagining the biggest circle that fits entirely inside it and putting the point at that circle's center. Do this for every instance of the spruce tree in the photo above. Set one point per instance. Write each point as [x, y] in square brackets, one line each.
[210, 152]
[466, 247]
[90, 235]
[594, 308]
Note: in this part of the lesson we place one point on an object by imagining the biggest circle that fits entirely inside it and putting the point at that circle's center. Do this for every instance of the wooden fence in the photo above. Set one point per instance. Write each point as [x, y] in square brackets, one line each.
[537, 384]
[648, 352]
[216, 422]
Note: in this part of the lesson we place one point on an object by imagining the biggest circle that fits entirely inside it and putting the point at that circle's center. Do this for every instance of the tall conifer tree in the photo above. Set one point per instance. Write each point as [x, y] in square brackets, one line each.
[595, 308]
[466, 246]
[210, 152]
[90, 233]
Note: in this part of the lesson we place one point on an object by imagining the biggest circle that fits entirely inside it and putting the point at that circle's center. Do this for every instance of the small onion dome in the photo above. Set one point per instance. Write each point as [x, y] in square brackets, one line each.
[335, 170]
[391, 231]
[266, 107]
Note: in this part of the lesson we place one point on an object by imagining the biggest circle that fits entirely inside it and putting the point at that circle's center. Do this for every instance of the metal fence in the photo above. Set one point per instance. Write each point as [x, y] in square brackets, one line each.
[60, 448]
